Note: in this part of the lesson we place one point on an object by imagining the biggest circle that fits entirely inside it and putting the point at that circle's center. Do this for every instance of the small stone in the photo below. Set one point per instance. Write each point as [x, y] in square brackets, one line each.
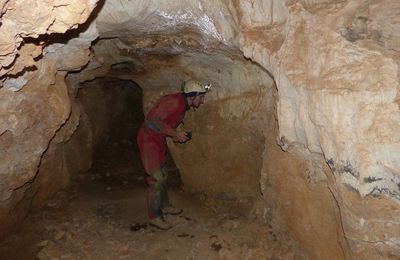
[59, 235]
[42, 254]
[52, 204]
[230, 224]
[42, 243]
[108, 188]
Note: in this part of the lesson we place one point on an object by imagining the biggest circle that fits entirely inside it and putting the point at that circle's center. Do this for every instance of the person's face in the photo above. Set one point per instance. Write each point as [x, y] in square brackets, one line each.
[198, 100]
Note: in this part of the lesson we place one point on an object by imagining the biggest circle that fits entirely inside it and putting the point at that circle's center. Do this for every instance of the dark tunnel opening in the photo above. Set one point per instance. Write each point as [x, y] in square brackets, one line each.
[114, 109]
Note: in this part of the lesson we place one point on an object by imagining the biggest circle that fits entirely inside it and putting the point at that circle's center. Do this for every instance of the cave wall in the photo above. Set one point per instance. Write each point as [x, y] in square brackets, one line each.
[300, 200]
[228, 130]
[36, 110]
[337, 82]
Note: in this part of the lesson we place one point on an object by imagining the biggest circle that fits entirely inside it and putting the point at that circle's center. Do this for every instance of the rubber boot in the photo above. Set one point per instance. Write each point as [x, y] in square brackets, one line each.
[171, 210]
[160, 223]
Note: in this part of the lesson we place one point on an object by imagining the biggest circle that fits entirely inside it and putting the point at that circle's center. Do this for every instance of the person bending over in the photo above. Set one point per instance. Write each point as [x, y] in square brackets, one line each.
[161, 122]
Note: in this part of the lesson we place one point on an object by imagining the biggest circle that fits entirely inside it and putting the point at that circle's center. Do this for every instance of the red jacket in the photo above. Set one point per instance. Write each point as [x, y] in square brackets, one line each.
[167, 113]
[160, 121]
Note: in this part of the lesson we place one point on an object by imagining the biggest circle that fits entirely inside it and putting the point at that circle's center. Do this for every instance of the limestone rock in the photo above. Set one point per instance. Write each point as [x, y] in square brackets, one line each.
[35, 102]
[20, 22]
[334, 95]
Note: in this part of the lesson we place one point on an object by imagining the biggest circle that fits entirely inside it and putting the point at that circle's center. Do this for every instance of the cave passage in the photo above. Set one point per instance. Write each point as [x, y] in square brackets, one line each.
[114, 110]
[102, 215]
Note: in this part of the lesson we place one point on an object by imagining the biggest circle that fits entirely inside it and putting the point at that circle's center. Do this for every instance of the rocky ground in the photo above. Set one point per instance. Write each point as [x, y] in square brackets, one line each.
[99, 221]
[103, 216]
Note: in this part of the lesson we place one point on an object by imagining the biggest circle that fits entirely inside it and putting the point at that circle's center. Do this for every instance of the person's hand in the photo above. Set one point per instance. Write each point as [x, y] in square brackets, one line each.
[180, 137]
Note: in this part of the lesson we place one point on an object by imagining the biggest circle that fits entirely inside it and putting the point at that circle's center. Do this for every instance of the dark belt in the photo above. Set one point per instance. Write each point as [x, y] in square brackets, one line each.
[151, 126]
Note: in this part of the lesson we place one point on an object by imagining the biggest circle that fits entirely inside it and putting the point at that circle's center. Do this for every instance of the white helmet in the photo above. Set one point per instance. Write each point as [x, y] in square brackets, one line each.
[195, 86]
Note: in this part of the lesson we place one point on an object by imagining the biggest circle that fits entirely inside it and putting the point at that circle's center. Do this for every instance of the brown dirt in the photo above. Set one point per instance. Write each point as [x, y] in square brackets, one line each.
[105, 219]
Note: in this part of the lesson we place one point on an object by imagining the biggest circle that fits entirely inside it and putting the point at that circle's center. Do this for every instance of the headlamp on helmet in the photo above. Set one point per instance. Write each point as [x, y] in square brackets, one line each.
[194, 87]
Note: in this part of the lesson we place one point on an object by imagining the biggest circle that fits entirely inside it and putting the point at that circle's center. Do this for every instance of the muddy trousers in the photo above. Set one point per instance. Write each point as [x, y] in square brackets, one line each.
[157, 195]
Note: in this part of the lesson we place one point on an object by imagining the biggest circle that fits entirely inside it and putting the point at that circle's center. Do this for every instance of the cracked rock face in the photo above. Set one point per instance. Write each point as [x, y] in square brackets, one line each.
[327, 70]
[34, 96]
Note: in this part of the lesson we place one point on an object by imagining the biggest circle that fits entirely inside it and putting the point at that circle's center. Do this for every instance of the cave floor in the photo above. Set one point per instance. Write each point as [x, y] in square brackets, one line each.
[105, 219]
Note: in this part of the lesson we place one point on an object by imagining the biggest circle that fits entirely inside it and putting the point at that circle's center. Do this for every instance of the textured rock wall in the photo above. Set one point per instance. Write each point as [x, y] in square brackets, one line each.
[301, 204]
[336, 68]
[24, 21]
[35, 110]
[229, 131]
